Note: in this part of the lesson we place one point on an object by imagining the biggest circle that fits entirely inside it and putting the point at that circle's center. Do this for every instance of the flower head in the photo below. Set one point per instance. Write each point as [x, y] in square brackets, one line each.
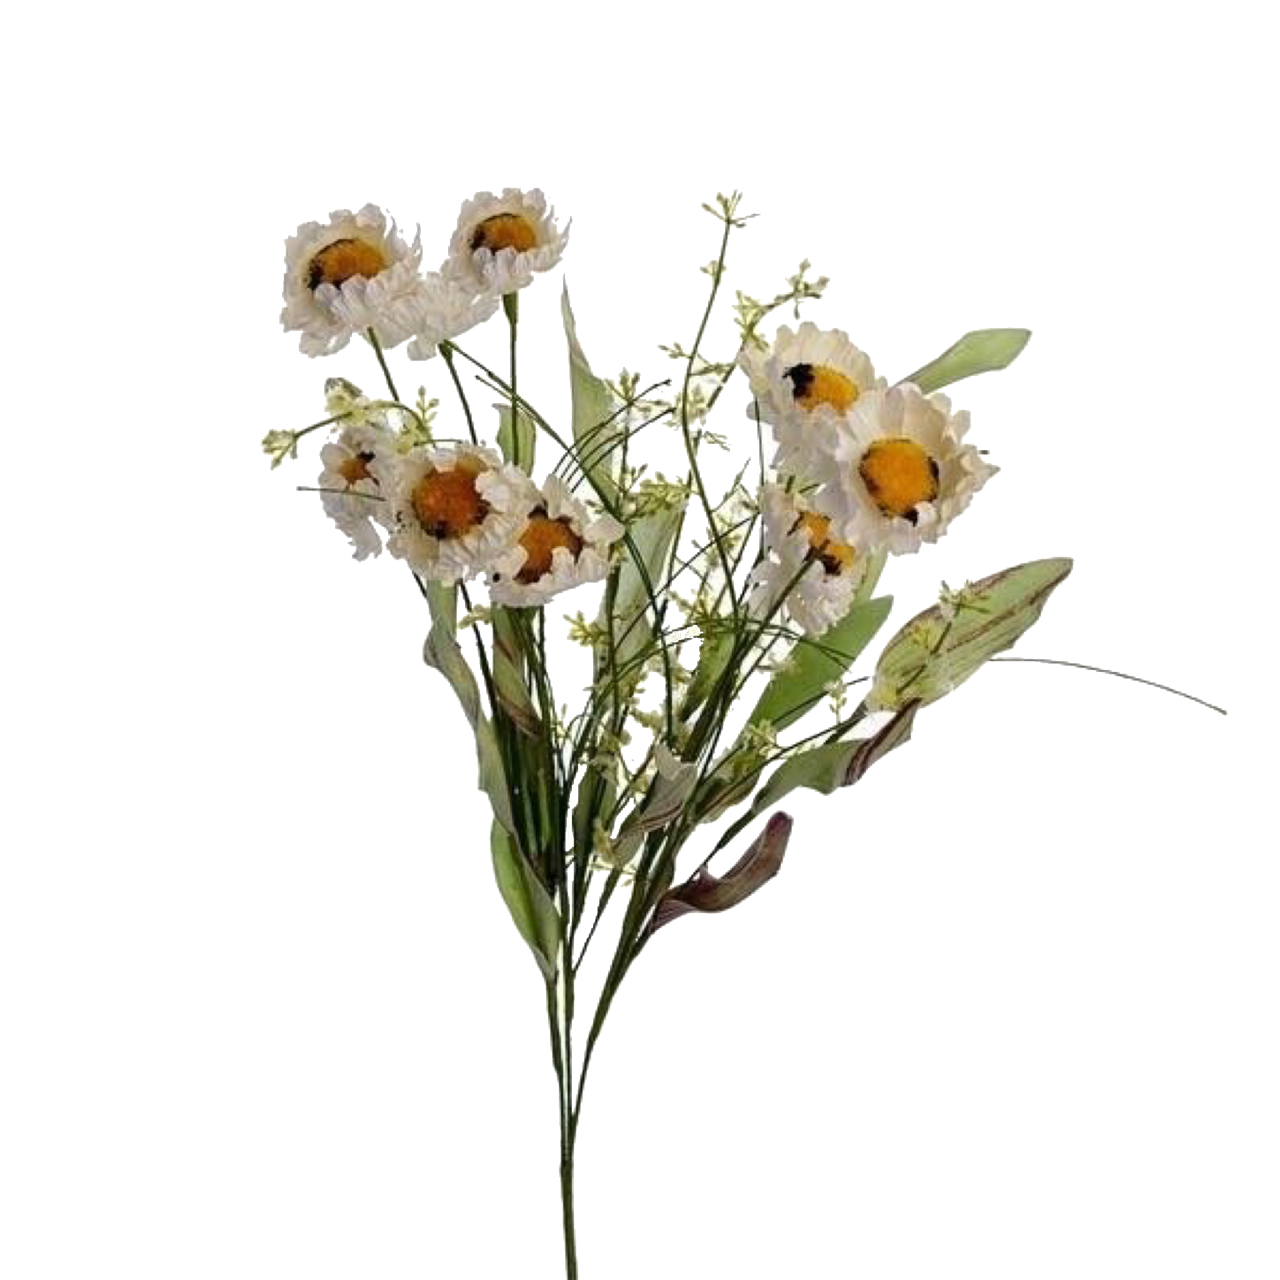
[894, 471]
[446, 309]
[502, 241]
[807, 377]
[807, 575]
[350, 274]
[451, 510]
[558, 545]
[349, 488]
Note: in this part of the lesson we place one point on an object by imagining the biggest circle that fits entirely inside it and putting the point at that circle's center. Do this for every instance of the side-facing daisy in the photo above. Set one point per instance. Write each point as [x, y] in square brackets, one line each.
[502, 241]
[807, 574]
[349, 488]
[808, 376]
[558, 545]
[894, 471]
[446, 309]
[452, 510]
[347, 275]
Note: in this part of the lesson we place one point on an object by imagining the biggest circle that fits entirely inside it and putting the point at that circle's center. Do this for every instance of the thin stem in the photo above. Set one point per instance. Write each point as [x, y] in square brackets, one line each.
[446, 350]
[1120, 675]
[382, 361]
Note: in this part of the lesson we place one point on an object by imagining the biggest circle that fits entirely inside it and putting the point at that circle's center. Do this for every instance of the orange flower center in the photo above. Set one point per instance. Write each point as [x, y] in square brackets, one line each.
[355, 468]
[834, 557]
[448, 504]
[899, 475]
[815, 384]
[340, 261]
[505, 231]
[541, 537]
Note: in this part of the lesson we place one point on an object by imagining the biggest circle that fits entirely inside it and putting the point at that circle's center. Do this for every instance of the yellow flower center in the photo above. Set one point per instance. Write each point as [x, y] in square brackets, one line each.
[447, 503]
[815, 384]
[338, 262]
[541, 537]
[355, 468]
[505, 231]
[899, 475]
[834, 557]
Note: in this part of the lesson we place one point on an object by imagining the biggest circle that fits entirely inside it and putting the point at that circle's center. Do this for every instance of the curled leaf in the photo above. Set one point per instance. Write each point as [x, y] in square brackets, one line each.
[704, 892]
[527, 900]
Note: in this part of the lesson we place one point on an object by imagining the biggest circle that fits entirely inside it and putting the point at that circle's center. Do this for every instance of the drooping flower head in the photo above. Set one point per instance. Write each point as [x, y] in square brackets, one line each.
[452, 510]
[347, 275]
[501, 242]
[894, 471]
[807, 575]
[558, 545]
[447, 308]
[349, 488]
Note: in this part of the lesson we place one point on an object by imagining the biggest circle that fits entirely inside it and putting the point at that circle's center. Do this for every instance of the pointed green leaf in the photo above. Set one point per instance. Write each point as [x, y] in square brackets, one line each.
[518, 444]
[839, 764]
[939, 649]
[527, 900]
[982, 351]
[713, 658]
[642, 568]
[443, 652]
[672, 785]
[596, 432]
[508, 674]
[802, 681]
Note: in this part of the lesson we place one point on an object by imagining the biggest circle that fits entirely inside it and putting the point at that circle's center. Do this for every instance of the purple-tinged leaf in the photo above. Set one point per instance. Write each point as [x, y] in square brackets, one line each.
[704, 892]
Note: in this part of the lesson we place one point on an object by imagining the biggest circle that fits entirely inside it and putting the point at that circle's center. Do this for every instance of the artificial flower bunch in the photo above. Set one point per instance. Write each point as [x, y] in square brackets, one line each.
[721, 600]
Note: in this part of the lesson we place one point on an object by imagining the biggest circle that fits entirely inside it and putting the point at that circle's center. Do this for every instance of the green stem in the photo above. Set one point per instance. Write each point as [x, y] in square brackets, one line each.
[511, 308]
[382, 361]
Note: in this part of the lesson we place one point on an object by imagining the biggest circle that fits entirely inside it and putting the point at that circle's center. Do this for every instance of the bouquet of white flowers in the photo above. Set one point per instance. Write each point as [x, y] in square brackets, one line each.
[717, 606]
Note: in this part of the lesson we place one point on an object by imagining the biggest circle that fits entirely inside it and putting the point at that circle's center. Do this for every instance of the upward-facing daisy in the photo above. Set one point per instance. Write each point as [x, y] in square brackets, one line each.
[806, 377]
[353, 273]
[894, 470]
[502, 241]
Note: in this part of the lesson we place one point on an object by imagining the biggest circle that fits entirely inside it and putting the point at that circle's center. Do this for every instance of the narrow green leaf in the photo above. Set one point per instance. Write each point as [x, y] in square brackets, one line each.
[508, 674]
[802, 682]
[982, 351]
[593, 409]
[443, 652]
[650, 544]
[527, 900]
[713, 658]
[520, 447]
[939, 649]
[671, 787]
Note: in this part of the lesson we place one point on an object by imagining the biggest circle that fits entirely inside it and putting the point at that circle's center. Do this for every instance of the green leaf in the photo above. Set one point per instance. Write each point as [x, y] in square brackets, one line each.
[527, 900]
[649, 544]
[815, 663]
[713, 658]
[443, 652]
[839, 764]
[981, 351]
[519, 447]
[939, 649]
[508, 674]
[594, 406]
[672, 785]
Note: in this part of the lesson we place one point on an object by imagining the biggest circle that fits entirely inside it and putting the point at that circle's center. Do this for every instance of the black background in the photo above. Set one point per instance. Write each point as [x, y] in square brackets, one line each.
[963, 1011]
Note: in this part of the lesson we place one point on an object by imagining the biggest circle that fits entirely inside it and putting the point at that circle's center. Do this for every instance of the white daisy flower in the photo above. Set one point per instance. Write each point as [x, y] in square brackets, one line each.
[446, 309]
[501, 241]
[349, 489]
[808, 376]
[558, 546]
[815, 576]
[895, 471]
[347, 275]
[452, 510]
